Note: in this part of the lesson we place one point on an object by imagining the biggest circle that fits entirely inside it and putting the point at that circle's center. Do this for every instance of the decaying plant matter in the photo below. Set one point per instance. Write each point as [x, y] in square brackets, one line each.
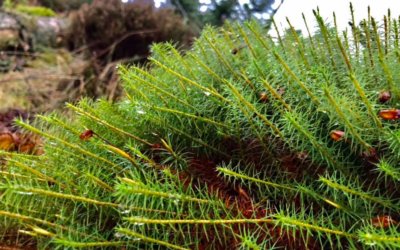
[11, 139]
[111, 32]
[288, 143]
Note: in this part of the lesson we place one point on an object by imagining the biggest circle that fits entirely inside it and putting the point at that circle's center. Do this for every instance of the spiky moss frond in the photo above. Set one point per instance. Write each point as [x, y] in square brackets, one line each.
[244, 141]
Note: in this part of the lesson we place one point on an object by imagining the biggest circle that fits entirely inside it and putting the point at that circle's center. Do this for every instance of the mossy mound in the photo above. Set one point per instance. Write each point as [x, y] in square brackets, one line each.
[242, 142]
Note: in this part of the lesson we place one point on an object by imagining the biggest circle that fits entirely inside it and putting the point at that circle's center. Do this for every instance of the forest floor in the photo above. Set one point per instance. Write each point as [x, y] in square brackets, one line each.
[37, 82]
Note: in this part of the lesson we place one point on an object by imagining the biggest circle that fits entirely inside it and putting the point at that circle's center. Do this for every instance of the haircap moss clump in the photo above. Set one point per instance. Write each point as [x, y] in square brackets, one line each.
[243, 142]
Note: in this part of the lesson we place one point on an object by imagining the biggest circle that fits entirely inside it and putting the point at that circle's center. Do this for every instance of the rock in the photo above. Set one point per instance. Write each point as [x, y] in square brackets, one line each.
[49, 31]
[28, 32]
[8, 21]
[9, 31]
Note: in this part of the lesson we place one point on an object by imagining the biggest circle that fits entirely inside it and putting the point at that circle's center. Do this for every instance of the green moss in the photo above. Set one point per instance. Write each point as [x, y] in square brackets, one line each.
[7, 4]
[35, 10]
[245, 141]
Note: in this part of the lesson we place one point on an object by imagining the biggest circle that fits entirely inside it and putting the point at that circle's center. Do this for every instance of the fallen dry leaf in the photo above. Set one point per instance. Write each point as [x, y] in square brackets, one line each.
[7, 141]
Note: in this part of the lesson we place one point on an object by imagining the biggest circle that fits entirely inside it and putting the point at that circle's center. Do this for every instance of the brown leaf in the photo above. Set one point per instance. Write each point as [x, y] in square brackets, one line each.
[383, 221]
[28, 144]
[337, 135]
[7, 141]
[390, 114]
[86, 135]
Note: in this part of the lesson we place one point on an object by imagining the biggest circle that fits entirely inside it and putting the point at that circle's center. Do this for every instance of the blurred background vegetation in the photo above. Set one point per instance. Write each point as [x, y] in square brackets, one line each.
[53, 51]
